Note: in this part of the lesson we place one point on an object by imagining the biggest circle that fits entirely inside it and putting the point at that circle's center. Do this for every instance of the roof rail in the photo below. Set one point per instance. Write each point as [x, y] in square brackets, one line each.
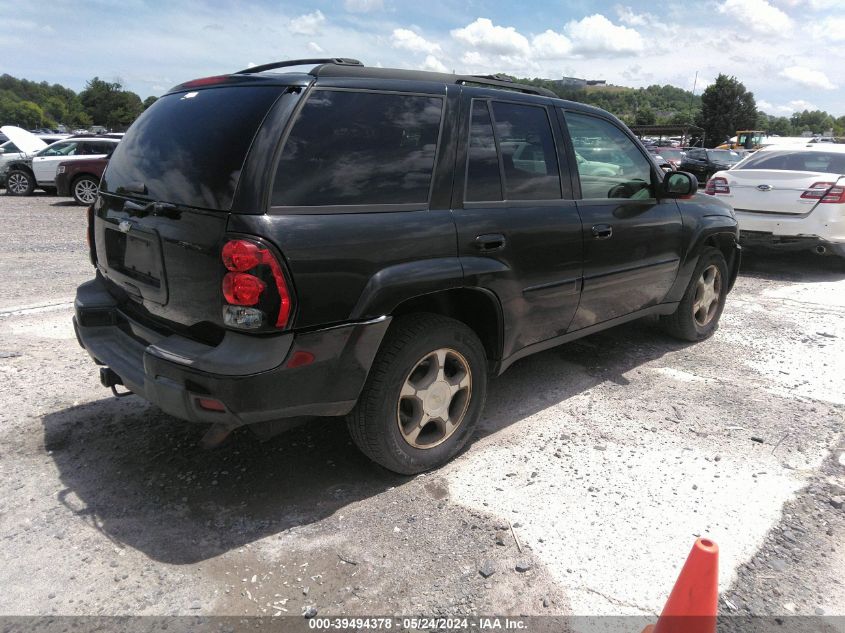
[502, 81]
[324, 64]
[340, 61]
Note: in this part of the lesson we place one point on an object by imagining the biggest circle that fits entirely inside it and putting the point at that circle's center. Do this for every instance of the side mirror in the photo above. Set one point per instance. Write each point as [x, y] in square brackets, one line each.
[679, 184]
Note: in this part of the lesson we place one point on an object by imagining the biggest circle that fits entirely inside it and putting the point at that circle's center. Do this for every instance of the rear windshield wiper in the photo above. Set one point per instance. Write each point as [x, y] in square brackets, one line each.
[167, 209]
[133, 187]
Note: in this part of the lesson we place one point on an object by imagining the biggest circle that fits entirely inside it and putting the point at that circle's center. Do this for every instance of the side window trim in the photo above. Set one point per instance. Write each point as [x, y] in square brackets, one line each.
[351, 208]
[486, 102]
[568, 151]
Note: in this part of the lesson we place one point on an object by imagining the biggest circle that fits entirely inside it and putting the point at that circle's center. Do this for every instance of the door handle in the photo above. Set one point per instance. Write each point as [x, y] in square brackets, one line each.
[602, 231]
[490, 242]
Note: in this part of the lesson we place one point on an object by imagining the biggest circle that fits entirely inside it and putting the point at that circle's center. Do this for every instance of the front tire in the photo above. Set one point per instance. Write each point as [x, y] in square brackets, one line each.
[85, 190]
[697, 316]
[423, 396]
[19, 183]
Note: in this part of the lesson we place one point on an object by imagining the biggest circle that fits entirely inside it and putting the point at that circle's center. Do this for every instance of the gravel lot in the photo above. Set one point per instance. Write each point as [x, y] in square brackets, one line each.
[602, 460]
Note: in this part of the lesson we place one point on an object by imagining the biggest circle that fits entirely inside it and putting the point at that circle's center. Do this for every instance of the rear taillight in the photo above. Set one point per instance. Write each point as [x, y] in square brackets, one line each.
[89, 236]
[242, 289]
[825, 192]
[717, 185]
[255, 289]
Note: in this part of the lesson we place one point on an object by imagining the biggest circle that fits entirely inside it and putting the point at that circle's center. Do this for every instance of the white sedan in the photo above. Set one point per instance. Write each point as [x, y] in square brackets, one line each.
[791, 197]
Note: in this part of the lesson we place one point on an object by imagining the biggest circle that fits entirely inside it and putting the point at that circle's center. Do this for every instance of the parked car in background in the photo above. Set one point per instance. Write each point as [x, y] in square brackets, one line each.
[672, 155]
[788, 197]
[80, 179]
[23, 146]
[24, 175]
[388, 258]
[703, 163]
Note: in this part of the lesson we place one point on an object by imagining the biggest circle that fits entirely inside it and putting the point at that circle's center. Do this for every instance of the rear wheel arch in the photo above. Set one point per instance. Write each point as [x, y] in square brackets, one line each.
[477, 308]
[20, 166]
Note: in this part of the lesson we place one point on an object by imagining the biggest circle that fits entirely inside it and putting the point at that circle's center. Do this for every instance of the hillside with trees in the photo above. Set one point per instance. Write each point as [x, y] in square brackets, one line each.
[729, 107]
[721, 109]
[30, 104]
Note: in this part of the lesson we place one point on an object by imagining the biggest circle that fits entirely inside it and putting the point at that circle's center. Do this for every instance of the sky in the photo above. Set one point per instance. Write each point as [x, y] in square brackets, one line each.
[786, 51]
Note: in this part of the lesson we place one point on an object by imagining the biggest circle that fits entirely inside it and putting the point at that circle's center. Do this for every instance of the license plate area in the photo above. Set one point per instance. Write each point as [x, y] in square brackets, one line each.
[135, 262]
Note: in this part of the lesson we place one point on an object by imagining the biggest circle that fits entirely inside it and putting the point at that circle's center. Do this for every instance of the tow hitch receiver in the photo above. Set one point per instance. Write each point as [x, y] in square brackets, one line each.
[108, 378]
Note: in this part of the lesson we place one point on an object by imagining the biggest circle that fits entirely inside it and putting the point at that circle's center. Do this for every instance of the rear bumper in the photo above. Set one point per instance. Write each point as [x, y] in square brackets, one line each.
[759, 239]
[249, 374]
[825, 223]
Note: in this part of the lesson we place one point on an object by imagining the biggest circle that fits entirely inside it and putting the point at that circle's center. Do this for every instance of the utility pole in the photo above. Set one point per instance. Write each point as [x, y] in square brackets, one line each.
[692, 95]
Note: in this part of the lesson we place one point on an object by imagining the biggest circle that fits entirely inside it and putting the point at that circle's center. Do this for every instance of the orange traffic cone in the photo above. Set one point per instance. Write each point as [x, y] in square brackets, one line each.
[693, 603]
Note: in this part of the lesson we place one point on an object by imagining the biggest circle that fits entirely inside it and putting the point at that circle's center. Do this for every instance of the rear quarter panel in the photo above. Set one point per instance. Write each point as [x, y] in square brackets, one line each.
[354, 266]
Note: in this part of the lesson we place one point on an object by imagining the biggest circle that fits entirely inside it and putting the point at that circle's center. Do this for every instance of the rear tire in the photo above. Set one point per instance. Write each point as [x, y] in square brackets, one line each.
[423, 396]
[84, 190]
[19, 183]
[697, 316]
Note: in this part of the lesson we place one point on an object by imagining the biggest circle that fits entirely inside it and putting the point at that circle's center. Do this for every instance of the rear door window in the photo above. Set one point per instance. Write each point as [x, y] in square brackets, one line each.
[189, 148]
[609, 163]
[529, 158]
[350, 148]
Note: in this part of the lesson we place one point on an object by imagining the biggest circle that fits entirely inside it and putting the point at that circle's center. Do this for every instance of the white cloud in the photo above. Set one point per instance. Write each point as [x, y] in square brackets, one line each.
[308, 23]
[757, 15]
[434, 64]
[313, 46]
[363, 6]
[808, 77]
[596, 34]
[551, 45]
[627, 16]
[500, 40]
[407, 39]
[833, 28]
[797, 105]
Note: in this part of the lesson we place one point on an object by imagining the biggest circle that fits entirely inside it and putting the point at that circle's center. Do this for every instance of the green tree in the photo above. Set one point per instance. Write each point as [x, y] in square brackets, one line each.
[149, 101]
[22, 113]
[816, 121]
[108, 104]
[726, 106]
[645, 116]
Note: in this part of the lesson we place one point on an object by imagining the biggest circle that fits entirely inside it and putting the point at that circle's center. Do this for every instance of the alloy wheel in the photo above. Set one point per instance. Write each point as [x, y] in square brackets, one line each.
[17, 183]
[85, 190]
[708, 292]
[434, 398]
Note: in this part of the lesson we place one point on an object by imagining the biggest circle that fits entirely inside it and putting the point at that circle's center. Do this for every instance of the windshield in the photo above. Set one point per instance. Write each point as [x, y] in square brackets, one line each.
[724, 156]
[189, 148]
[8, 148]
[827, 162]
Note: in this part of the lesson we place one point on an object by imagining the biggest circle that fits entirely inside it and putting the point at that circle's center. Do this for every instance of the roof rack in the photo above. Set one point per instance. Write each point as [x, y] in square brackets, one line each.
[340, 61]
[502, 81]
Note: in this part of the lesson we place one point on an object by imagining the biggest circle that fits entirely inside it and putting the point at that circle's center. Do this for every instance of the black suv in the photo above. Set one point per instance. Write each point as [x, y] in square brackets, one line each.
[703, 163]
[374, 243]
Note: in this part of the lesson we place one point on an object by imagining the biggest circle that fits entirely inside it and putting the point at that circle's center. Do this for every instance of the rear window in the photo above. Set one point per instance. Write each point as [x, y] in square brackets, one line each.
[724, 156]
[827, 162]
[189, 148]
[359, 148]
